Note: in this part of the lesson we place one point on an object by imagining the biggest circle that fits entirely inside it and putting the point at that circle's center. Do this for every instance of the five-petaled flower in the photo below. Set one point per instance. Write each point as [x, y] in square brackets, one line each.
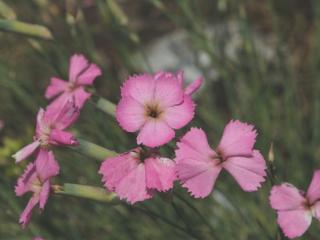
[136, 175]
[31, 181]
[295, 208]
[198, 166]
[155, 105]
[81, 74]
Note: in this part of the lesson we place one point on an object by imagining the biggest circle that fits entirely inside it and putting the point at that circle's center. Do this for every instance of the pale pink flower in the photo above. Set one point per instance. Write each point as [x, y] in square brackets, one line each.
[38, 238]
[295, 208]
[50, 129]
[30, 181]
[136, 174]
[81, 74]
[155, 105]
[198, 165]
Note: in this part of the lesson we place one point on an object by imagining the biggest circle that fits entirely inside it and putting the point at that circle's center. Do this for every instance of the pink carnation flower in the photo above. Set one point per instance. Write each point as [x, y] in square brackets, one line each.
[155, 105]
[198, 165]
[295, 208]
[50, 129]
[135, 175]
[81, 74]
[30, 181]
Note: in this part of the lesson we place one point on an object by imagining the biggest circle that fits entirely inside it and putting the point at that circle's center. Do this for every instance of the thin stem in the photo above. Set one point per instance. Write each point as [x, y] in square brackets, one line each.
[165, 220]
[197, 212]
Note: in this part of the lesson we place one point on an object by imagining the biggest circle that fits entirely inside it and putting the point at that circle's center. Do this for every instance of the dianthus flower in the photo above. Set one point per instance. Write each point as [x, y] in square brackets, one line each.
[295, 208]
[81, 74]
[198, 165]
[50, 129]
[136, 175]
[30, 181]
[155, 105]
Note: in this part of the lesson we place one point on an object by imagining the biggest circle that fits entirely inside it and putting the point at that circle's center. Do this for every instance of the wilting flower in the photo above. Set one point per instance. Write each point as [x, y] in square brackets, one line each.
[81, 74]
[50, 129]
[198, 165]
[136, 174]
[294, 207]
[155, 105]
[30, 181]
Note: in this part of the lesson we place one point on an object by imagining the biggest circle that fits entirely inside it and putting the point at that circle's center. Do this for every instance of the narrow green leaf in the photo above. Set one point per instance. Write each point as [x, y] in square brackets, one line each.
[93, 150]
[32, 30]
[85, 191]
[6, 11]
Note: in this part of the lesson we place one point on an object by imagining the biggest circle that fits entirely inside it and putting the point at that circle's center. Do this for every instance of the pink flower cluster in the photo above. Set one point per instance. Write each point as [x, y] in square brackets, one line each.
[154, 106]
[50, 131]
[157, 105]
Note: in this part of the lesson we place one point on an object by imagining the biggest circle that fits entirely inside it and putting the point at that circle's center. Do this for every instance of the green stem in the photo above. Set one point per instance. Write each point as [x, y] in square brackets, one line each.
[165, 220]
[93, 150]
[106, 106]
[85, 191]
[204, 220]
[28, 29]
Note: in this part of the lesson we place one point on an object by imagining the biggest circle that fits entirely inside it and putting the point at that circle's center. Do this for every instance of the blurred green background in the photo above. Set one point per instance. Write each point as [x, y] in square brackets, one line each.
[260, 60]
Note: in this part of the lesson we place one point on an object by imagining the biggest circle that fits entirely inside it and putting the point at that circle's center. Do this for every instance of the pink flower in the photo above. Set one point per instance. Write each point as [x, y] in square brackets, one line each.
[136, 174]
[50, 129]
[30, 181]
[81, 74]
[295, 208]
[198, 166]
[38, 238]
[155, 105]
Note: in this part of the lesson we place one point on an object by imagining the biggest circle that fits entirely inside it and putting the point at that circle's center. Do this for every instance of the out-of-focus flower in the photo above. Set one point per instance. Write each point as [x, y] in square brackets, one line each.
[155, 105]
[30, 181]
[38, 238]
[136, 175]
[198, 166]
[81, 74]
[295, 208]
[50, 129]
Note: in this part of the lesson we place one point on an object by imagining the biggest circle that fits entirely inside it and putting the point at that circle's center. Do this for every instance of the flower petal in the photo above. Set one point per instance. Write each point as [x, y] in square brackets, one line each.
[194, 144]
[313, 193]
[160, 173]
[180, 115]
[238, 139]
[133, 186]
[23, 181]
[286, 197]
[26, 151]
[89, 75]
[114, 169]
[294, 223]
[59, 137]
[46, 165]
[194, 86]
[197, 176]
[130, 114]
[78, 63]
[26, 214]
[55, 87]
[62, 116]
[155, 133]
[249, 172]
[168, 91]
[80, 96]
[44, 194]
[139, 87]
